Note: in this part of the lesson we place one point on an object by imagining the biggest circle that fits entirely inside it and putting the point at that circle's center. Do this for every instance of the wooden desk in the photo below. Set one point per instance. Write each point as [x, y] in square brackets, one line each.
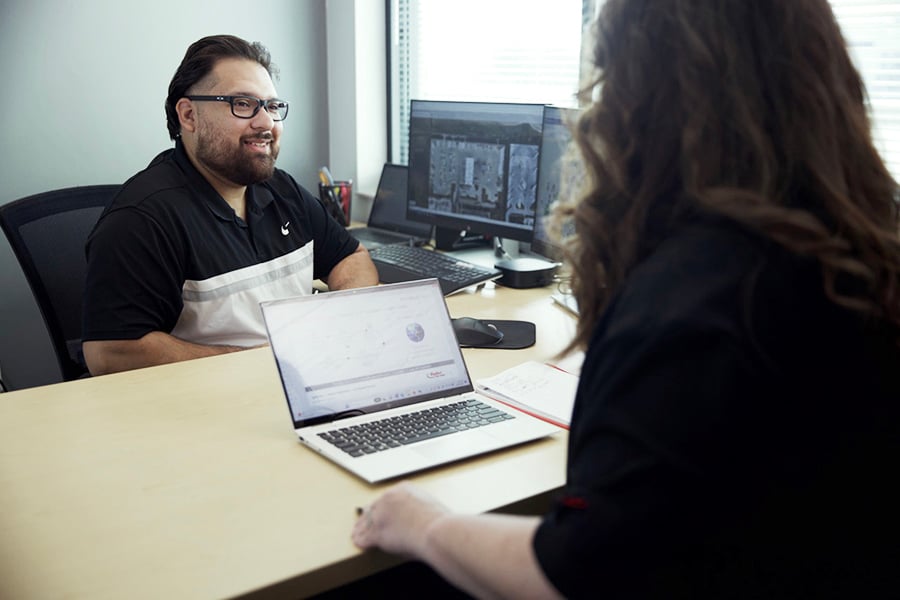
[187, 481]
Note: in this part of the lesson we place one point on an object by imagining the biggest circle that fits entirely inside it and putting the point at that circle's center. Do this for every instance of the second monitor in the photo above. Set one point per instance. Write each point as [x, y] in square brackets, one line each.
[473, 166]
[560, 177]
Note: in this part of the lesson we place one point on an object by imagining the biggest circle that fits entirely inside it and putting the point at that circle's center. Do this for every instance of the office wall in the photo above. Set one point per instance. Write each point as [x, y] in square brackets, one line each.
[85, 84]
[357, 96]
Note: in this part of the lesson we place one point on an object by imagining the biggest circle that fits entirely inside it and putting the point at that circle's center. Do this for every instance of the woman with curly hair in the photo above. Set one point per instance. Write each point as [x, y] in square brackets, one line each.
[736, 261]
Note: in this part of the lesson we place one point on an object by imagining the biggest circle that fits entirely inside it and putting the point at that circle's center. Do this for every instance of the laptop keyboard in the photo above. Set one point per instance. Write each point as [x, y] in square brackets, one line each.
[392, 432]
[419, 263]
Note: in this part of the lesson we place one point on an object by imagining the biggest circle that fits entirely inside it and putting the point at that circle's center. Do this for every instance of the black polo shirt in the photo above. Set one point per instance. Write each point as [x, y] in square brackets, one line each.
[169, 254]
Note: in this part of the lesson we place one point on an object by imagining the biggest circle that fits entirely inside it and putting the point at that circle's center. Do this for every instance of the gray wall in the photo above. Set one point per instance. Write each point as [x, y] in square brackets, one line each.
[85, 85]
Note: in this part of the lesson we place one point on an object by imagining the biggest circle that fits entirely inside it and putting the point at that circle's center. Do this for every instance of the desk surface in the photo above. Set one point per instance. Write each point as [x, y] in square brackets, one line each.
[187, 480]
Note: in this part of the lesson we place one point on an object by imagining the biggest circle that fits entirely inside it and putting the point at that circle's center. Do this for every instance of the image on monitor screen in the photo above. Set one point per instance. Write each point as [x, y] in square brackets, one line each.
[473, 166]
[560, 175]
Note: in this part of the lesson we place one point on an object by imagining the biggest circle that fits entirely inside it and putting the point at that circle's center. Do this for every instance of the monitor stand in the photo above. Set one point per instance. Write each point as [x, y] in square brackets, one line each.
[522, 271]
[449, 239]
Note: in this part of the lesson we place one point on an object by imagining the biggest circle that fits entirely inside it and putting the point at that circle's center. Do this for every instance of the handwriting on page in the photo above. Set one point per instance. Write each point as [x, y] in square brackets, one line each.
[537, 388]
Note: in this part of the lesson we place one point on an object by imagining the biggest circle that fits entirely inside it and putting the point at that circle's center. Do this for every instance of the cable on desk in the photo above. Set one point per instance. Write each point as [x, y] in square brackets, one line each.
[563, 285]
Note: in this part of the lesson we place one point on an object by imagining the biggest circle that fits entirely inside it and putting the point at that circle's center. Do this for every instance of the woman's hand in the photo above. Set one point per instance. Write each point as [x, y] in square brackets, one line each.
[398, 521]
[484, 555]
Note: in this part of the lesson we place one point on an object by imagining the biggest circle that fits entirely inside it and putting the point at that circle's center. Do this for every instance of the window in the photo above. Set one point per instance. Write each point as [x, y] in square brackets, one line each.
[482, 50]
[530, 51]
[872, 30]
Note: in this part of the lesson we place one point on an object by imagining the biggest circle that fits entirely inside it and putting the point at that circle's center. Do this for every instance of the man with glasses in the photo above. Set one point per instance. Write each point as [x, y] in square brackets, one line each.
[180, 260]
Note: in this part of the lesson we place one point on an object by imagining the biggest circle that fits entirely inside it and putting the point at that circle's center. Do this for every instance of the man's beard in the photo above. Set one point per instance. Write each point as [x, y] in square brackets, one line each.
[237, 164]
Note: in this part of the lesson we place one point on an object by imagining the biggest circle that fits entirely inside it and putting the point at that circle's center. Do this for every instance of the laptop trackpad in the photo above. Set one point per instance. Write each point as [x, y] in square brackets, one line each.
[457, 445]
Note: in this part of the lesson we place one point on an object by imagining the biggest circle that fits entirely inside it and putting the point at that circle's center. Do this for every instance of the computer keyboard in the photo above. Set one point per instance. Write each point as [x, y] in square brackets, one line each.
[392, 432]
[408, 263]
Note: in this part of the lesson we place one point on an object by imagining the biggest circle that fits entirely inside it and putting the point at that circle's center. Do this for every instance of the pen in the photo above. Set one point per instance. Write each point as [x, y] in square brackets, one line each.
[327, 174]
[337, 204]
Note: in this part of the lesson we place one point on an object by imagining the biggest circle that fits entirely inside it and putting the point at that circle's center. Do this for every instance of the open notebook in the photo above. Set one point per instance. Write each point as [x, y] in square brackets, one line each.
[373, 375]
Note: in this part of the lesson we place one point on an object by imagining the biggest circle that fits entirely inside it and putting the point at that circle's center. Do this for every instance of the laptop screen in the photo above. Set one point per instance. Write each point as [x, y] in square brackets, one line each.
[389, 205]
[363, 350]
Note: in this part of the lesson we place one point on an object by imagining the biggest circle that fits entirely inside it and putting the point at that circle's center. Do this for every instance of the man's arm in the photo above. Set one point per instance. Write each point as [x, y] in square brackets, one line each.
[355, 270]
[155, 348]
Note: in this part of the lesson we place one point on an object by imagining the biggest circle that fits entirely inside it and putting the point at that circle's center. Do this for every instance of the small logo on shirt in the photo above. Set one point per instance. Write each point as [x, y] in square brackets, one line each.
[284, 228]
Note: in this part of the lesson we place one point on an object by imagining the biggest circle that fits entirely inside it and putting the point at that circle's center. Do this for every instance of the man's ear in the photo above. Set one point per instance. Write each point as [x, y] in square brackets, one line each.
[187, 116]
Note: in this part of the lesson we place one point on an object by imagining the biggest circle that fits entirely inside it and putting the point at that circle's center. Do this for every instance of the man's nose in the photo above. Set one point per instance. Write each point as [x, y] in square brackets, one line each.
[262, 120]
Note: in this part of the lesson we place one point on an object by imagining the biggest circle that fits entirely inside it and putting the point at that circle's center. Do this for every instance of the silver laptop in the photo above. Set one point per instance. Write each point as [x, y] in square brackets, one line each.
[387, 224]
[371, 376]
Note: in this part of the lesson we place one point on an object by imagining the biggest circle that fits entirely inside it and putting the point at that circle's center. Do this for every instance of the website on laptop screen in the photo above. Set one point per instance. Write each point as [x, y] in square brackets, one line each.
[365, 350]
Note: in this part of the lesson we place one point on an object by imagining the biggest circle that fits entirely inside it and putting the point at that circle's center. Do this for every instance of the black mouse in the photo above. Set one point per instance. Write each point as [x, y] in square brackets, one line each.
[475, 332]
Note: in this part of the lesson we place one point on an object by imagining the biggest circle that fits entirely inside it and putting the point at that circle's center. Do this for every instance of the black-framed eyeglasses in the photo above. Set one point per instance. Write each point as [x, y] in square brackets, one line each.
[246, 107]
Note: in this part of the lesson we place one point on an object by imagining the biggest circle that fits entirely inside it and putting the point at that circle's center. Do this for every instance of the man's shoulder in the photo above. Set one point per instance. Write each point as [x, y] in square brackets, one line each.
[158, 183]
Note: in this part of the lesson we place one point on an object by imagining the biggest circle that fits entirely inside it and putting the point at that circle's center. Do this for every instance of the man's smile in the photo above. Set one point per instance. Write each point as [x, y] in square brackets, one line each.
[258, 145]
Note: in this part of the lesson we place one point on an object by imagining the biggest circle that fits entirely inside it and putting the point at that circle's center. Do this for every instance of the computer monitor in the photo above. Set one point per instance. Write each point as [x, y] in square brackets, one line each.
[473, 166]
[560, 175]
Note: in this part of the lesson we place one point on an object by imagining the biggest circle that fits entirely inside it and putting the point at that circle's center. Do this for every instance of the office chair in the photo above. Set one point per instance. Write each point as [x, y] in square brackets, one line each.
[47, 233]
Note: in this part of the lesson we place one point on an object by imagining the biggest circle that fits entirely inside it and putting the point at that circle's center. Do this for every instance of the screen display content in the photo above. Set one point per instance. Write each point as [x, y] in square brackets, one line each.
[473, 166]
[560, 176]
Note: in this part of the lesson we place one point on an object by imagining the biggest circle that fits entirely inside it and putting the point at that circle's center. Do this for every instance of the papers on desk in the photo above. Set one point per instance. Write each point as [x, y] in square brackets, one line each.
[539, 389]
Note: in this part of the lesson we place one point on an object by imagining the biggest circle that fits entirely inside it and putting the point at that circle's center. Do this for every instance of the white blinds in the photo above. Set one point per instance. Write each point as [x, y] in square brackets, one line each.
[482, 50]
[872, 30]
[528, 51]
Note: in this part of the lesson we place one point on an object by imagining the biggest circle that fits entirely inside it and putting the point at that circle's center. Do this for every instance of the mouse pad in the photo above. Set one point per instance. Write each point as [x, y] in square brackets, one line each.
[516, 335]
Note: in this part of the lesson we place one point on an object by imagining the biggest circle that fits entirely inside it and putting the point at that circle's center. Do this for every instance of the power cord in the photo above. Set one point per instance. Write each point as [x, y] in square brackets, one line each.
[499, 251]
[563, 280]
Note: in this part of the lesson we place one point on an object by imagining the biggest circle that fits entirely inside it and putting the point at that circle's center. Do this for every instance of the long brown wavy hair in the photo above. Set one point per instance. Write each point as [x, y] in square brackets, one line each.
[747, 109]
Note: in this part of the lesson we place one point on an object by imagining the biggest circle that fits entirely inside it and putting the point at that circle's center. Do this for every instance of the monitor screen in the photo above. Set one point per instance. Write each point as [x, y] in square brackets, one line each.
[473, 166]
[560, 175]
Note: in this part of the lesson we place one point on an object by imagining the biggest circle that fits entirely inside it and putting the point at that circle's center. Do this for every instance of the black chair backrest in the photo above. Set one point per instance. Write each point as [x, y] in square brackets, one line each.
[47, 233]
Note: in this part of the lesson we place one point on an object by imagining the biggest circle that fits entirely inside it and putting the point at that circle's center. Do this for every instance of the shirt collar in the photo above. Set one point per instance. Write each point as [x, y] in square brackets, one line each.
[257, 194]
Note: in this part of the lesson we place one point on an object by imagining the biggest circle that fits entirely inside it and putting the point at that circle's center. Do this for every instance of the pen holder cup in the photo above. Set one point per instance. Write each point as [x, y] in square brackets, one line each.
[337, 198]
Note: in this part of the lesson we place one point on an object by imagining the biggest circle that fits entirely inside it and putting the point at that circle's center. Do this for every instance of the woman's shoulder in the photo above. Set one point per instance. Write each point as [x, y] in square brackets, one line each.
[703, 266]
[718, 277]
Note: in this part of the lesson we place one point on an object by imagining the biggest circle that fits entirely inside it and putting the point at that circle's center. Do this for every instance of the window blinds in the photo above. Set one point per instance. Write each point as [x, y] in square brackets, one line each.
[872, 31]
[483, 50]
[529, 51]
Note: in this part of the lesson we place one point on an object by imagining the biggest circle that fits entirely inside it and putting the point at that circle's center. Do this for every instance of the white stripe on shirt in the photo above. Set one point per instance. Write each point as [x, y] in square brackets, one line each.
[224, 310]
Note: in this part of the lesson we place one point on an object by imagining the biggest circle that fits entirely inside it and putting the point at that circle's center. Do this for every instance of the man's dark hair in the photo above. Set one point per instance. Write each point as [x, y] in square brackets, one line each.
[199, 61]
